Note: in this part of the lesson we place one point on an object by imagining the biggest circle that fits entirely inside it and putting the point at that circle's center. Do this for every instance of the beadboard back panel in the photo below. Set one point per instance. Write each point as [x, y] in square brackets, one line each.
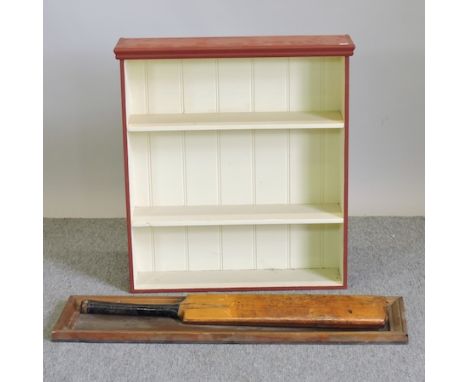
[312, 250]
[236, 167]
[234, 85]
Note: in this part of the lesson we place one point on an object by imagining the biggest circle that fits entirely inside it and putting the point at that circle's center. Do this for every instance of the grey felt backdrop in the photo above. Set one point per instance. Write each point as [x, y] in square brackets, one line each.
[83, 172]
[86, 256]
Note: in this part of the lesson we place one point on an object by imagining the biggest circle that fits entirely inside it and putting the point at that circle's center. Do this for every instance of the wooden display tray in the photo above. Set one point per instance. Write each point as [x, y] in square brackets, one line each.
[74, 326]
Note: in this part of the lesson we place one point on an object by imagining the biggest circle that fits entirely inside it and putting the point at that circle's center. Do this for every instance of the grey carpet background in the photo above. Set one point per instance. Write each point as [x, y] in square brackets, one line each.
[88, 256]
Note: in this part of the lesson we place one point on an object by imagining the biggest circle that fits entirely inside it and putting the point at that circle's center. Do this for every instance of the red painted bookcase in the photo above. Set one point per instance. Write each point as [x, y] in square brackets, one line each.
[236, 161]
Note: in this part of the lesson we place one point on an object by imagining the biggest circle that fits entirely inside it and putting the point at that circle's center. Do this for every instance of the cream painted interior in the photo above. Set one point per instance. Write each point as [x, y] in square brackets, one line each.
[236, 171]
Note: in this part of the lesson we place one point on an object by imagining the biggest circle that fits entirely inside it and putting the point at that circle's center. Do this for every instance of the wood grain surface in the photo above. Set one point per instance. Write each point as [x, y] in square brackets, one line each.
[73, 326]
[327, 311]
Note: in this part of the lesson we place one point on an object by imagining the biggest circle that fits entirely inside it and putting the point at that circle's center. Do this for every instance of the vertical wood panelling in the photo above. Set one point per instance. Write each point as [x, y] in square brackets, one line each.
[154, 253]
[236, 167]
[220, 248]
[271, 85]
[271, 247]
[305, 167]
[331, 83]
[164, 88]
[170, 248]
[203, 248]
[184, 166]
[201, 169]
[135, 87]
[187, 249]
[149, 152]
[230, 85]
[200, 86]
[234, 85]
[305, 246]
[167, 168]
[219, 169]
[237, 247]
[271, 172]
[305, 82]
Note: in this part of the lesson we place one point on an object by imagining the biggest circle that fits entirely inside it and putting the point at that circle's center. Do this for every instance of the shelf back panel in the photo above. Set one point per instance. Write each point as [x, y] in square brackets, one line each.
[234, 85]
[236, 167]
[237, 247]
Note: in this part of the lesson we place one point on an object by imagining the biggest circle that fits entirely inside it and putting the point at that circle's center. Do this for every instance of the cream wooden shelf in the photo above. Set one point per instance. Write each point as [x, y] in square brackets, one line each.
[236, 215]
[235, 121]
[236, 161]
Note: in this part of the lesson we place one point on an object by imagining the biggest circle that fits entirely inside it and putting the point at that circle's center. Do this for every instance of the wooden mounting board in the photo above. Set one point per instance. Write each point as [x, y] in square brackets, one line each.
[74, 326]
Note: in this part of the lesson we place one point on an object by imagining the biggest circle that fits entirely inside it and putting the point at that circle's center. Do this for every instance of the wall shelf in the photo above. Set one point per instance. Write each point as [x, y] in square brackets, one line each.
[236, 157]
[236, 215]
[235, 121]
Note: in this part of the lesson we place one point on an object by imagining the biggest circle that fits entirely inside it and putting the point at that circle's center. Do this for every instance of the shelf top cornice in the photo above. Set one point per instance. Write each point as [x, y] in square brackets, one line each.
[248, 46]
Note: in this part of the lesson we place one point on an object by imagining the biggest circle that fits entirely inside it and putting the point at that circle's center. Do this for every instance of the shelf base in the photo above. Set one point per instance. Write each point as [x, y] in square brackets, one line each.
[265, 278]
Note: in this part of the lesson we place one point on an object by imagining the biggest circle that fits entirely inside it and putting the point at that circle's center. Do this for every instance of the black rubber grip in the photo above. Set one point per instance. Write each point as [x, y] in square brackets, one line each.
[122, 309]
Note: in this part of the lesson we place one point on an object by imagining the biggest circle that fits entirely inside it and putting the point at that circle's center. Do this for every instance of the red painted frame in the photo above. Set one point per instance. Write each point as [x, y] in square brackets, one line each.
[247, 46]
[224, 47]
